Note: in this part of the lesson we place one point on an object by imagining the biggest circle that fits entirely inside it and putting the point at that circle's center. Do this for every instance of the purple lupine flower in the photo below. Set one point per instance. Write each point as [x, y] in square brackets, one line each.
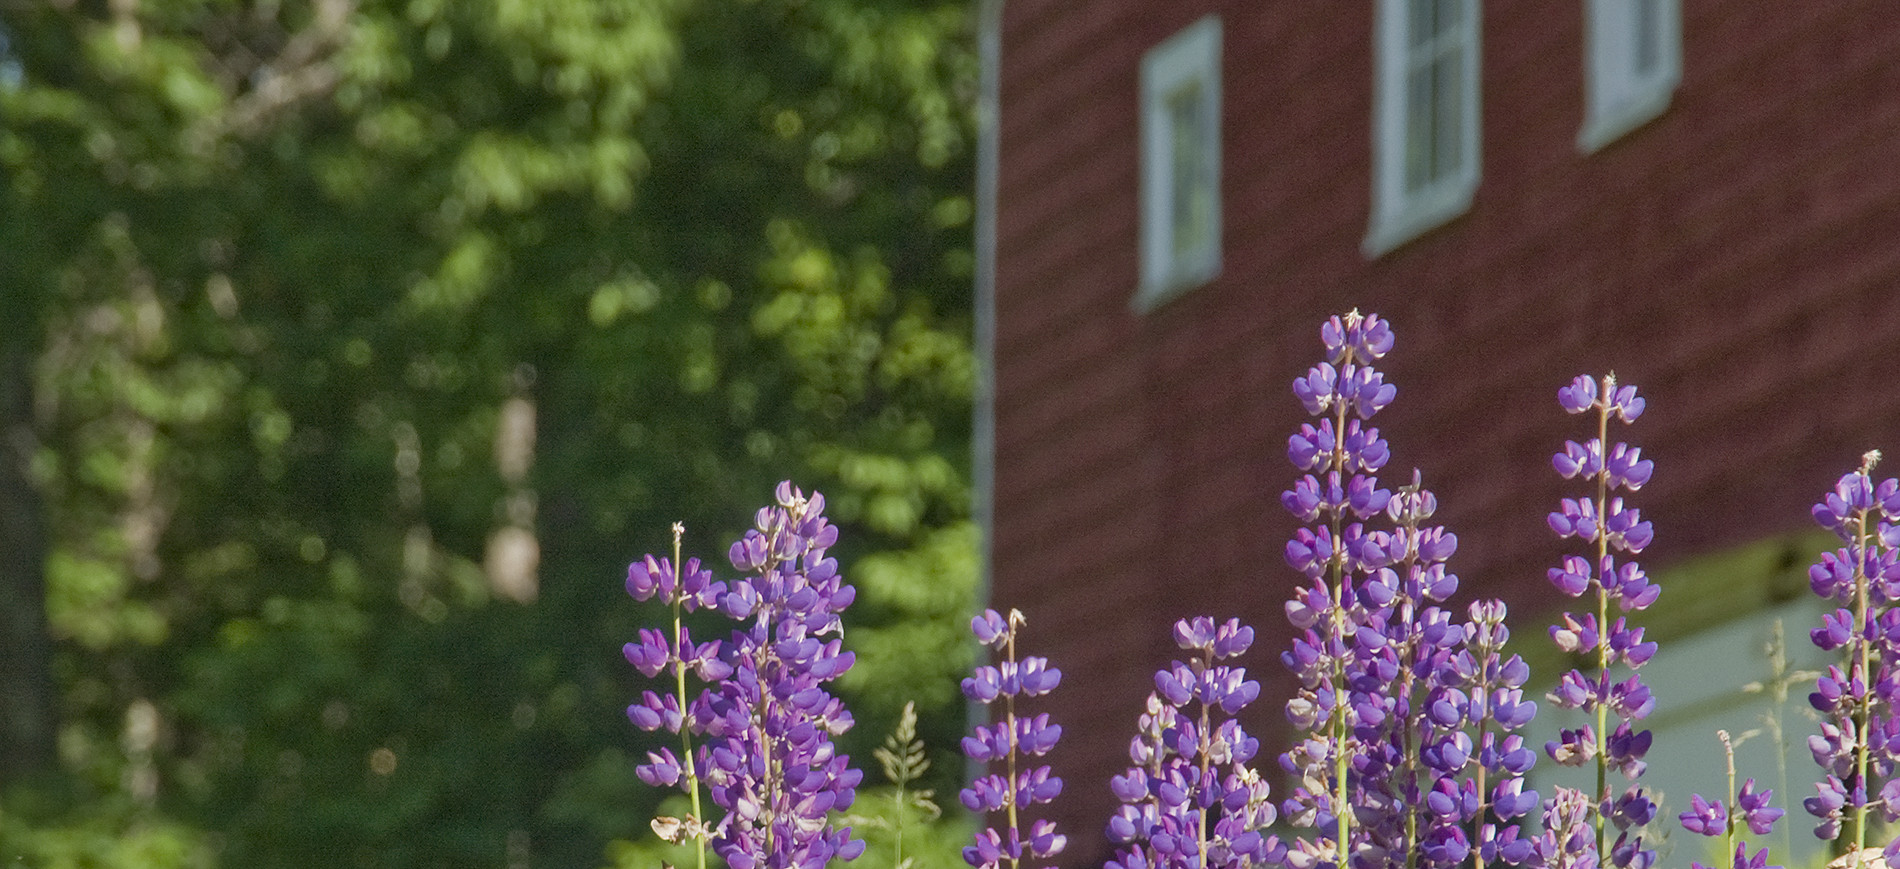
[1741, 860]
[1436, 704]
[1009, 741]
[1756, 811]
[1580, 395]
[674, 654]
[1409, 713]
[1568, 837]
[1858, 698]
[1704, 817]
[1340, 454]
[1191, 801]
[1614, 533]
[771, 763]
[1751, 808]
[1496, 684]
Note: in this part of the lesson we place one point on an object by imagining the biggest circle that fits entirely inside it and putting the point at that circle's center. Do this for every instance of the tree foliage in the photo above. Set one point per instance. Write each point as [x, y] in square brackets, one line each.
[368, 340]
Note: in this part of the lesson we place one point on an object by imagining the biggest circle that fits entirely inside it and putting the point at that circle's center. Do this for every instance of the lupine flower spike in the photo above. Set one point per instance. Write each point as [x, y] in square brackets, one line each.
[1409, 713]
[1613, 534]
[674, 654]
[1337, 495]
[1010, 741]
[773, 766]
[1191, 801]
[1751, 808]
[1436, 703]
[1859, 698]
[768, 759]
[1479, 673]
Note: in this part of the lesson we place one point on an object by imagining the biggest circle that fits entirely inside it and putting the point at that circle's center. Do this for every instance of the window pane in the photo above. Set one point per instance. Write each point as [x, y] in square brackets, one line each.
[1180, 162]
[1422, 23]
[1648, 27]
[1434, 98]
[1425, 150]
[1418, 128]
[1451, 17]
[1448, 122]
[1190, 198]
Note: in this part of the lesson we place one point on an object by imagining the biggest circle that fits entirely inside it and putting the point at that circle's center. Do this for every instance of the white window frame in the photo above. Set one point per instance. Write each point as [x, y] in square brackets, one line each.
[1400, 211]
[1621, 37]
[1188, 62]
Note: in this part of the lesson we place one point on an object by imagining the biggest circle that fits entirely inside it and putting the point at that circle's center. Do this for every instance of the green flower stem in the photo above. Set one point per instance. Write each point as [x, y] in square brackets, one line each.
[1341, 732]
[1603, 611]
[1207, 763]
[1863, 710]
[1728, 822]
[1009, 721]
[679, 685]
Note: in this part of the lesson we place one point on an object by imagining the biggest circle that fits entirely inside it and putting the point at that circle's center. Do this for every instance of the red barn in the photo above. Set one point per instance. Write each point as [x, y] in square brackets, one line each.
[1702, 196]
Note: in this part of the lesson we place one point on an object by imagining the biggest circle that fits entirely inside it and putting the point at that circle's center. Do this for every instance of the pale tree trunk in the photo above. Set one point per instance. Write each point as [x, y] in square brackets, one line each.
[28, 718]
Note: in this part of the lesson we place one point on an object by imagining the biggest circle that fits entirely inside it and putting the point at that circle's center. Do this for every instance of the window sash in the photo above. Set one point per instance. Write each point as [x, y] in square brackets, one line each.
[1632, 64]
[1426, 122]
[1180, 168]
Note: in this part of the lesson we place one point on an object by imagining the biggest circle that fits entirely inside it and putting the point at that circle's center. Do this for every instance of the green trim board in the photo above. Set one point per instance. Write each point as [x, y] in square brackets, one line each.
[1697, 594]
[1715, 622]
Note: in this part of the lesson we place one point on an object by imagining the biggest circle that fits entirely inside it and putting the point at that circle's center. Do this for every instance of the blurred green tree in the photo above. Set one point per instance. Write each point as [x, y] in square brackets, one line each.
[352, 347]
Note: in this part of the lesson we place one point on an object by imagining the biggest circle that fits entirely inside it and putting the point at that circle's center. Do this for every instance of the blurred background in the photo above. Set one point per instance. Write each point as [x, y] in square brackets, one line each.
[350, 349]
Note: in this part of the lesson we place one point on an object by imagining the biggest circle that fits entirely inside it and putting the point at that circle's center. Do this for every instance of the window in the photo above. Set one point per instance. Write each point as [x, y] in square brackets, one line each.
[1180, 163]
[1632, 62]
[1425, 118]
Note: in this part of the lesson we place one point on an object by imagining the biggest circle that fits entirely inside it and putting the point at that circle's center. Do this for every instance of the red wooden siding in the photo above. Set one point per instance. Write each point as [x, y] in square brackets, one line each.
[1738, 258]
